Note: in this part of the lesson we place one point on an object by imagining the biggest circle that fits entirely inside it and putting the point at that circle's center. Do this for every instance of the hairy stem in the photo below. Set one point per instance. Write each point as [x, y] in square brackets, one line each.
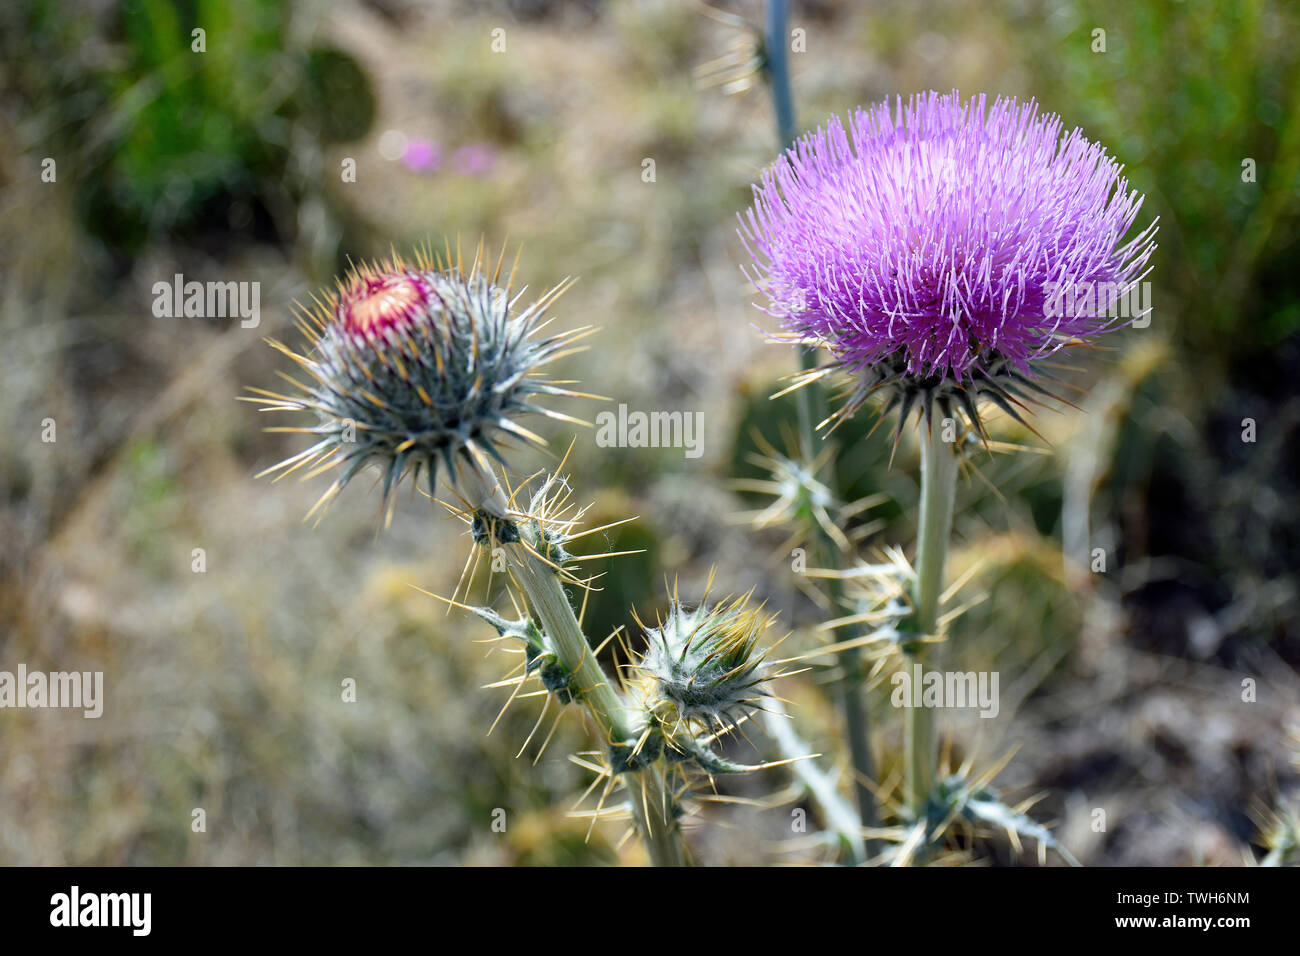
[651, 803]
[555, 614]
[938, 488]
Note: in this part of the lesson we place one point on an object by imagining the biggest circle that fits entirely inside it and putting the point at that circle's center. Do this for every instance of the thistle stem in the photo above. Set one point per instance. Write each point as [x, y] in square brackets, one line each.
[856, 720]
[555, 614]
[651, 802]
[777, 63]
[938, 489]
[812, 402]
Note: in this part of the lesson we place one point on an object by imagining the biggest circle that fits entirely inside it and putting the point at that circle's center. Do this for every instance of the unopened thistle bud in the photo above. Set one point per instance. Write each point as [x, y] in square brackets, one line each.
[703, 665]
[412, 365]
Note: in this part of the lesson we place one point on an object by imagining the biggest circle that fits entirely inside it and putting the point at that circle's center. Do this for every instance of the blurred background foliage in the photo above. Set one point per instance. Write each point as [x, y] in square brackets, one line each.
[1121, 688]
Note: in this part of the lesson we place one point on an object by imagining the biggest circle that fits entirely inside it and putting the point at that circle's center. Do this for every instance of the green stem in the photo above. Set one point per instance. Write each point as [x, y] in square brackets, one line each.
[938, 489]
[555, 614]
[652, 809]
[857, 727]
[812, 402]
[651, 803]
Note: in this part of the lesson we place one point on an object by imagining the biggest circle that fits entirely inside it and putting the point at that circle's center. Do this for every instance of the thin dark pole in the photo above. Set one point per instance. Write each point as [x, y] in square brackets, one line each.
[812, 402]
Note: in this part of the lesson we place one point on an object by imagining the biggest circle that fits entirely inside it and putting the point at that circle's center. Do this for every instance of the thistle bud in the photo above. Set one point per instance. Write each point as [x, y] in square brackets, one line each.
[704, 662]
[411, 365]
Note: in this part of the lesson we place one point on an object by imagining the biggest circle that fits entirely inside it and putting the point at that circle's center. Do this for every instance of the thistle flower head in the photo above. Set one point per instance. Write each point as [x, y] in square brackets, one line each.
[409, 365]
[704, 663]
[924, 246]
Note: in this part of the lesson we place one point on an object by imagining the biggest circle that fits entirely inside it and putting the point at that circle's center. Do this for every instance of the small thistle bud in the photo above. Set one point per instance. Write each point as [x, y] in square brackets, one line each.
[704, 662]
[411, 365]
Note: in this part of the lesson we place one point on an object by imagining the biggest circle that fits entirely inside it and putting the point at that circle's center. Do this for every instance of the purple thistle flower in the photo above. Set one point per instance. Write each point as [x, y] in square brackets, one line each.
[927, 247]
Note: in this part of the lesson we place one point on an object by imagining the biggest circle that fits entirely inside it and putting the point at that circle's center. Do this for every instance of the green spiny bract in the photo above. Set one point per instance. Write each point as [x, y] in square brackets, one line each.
[551, 522]
[539, 657]
[411, 365]
[703, 664]
[554, 676]
[800, 499]
[936, 396]
[633, 755]
[677, 745]
[547, 541]
[487, 529]
[979, 804]
[880, 596]
[1279, 834]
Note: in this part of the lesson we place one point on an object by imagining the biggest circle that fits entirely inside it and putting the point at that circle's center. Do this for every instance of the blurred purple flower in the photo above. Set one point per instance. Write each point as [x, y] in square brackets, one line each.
[422, 156]
[925, 243]
[477, 159]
